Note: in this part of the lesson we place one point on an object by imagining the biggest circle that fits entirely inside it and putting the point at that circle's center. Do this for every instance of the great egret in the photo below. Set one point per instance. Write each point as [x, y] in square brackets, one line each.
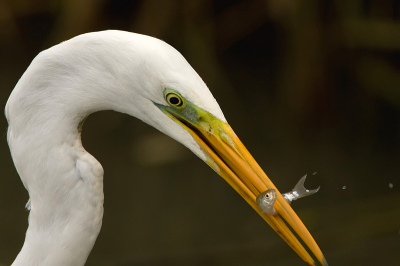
[133, 74]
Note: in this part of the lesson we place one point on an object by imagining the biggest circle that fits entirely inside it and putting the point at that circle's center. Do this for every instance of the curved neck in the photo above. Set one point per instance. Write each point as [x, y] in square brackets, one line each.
[61, 87]
[65, 183]
[109, 70]
[66, 203]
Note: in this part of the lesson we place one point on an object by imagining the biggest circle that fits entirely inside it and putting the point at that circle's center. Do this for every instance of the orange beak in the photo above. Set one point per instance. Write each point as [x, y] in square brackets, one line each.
[227, 155]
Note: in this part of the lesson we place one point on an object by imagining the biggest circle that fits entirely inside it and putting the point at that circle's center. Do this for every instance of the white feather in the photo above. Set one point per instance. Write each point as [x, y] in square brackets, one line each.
[109, 70]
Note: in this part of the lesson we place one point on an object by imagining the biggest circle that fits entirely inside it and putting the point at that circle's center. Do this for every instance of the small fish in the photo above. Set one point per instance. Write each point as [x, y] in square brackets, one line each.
[266, 201]
[299, 191]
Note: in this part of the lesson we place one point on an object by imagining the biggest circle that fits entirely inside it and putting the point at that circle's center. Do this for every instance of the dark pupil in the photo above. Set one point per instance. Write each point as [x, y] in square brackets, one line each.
[267, 196]
[174, 100]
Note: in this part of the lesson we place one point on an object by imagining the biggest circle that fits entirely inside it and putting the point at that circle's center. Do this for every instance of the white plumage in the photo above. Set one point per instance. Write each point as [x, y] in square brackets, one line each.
[110, 70]
[133, 74]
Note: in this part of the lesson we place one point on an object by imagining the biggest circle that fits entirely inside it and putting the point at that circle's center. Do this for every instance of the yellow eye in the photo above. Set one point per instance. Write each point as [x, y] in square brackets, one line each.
[174, 99]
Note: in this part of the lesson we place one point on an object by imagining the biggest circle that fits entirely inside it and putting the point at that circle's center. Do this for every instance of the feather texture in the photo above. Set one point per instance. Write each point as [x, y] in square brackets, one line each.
[110, 70]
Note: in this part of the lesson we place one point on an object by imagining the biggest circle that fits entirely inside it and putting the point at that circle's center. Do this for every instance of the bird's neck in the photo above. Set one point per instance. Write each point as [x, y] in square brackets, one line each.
[61, 87]
[65, 183]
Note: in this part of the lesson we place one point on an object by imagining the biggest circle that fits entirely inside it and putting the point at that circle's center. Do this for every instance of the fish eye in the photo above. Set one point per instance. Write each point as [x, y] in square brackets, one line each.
[266, 195]
[174, 99]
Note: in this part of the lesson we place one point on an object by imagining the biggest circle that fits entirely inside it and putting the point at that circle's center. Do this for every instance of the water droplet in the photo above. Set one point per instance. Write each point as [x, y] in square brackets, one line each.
[390, 185]
[344, 187]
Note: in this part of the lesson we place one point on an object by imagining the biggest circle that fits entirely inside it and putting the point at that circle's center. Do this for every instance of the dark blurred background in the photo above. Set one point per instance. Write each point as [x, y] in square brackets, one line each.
[309, 86]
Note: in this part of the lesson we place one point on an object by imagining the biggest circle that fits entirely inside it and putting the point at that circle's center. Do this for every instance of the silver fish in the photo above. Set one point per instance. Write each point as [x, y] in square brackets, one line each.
[299, 191]
[266, 201]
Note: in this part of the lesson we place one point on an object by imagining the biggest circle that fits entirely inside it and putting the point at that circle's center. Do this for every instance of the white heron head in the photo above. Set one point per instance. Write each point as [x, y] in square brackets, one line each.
[111, 70]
